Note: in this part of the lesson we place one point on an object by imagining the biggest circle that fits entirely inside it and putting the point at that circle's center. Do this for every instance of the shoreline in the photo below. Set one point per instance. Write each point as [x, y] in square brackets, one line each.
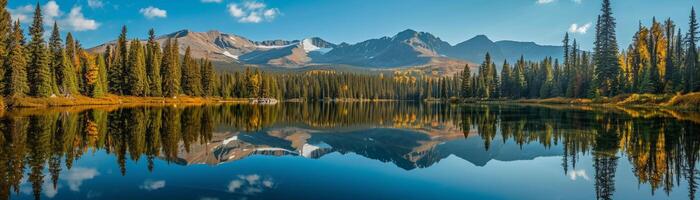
[690, 101]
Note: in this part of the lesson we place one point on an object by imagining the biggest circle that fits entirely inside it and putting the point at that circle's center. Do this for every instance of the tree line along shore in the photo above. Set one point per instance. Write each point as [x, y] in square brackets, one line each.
[659, 68]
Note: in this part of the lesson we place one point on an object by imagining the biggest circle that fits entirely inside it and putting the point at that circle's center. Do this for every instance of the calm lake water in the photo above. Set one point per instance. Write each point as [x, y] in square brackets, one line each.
[349, 151]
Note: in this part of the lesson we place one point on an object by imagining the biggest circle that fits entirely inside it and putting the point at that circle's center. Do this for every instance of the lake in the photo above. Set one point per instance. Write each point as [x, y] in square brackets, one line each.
[349, 151]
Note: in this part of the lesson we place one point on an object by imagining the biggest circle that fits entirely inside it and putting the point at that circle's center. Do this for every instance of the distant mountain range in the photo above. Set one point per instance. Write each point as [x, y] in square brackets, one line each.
[407, 149]
[408, 48]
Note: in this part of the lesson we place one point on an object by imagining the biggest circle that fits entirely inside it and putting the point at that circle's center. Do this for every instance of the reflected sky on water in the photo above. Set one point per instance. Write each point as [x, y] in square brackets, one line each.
[349, 151]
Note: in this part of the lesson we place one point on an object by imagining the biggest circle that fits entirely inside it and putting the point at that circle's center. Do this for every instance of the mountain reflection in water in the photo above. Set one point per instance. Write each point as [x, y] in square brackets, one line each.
[40, 148]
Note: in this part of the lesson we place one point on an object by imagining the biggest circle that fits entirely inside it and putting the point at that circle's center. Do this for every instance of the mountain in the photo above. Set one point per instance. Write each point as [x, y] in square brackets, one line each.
[407, 49]
[475, 49]
[293, 53]
[407, 149]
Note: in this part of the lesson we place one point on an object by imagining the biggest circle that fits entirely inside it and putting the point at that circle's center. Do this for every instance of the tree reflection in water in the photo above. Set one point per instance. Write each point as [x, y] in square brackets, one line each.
[662, 146]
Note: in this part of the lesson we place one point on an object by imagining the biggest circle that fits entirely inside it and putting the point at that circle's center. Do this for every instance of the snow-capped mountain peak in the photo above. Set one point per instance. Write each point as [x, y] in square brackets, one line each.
[309, 46]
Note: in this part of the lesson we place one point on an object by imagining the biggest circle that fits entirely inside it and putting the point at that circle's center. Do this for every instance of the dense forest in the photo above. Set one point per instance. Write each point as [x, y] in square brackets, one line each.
[660, 60]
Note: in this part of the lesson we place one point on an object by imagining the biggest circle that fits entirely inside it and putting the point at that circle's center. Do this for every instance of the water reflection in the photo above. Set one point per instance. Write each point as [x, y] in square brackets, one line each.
[40, 147]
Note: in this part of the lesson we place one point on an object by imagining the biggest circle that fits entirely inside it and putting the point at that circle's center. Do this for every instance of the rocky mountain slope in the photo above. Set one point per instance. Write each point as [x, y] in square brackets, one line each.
[406, 49]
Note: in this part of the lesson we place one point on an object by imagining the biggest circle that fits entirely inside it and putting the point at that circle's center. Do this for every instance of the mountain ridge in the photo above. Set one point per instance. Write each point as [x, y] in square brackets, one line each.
[408, 48]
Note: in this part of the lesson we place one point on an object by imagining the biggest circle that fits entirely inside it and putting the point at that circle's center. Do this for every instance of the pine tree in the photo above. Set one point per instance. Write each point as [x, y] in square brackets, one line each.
[557, 90]
[90, 75]
[546, 76]
[493, 81]
[207, 78]
[606, 61]
[72, 53]
[668, 79]
[103, 81]
[191, 78]
[65, 75]
[5, 35]
[117, 70]
[691, 60]
[15, 77]
[678, 61]
[506, 82]
[567, 74]
[136, 82]
[170, 79]
[40, 84]
[153, 62]
[657, 44]
[519, 82]
[466, 83]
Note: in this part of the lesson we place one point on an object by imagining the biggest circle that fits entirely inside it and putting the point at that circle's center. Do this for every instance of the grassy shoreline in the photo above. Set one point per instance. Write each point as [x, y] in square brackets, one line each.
[111, 100]
[690, 101]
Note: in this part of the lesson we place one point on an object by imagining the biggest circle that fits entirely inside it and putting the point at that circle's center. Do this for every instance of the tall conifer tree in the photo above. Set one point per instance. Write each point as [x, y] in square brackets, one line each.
[15, 78]
[40, 75]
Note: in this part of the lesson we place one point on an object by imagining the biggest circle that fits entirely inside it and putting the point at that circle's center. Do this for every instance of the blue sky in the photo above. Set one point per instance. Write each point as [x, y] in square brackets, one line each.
[542, 21]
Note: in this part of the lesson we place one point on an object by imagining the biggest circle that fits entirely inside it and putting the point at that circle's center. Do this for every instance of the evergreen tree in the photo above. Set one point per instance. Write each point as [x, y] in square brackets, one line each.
[117, 70]
[90, 75]
[191, 77]
[691, 60]
[557, 90]
[40, 75]
[606, 61]
[506, 82]
[64, 72]
[207, 78]
[153, 62]
[546, 76]
[72, 54]
[493, 81]
[519, 82]
[567, 71]
[466, 83]
[103, 81]
[671, 69]
[136, 82]
[15, 77]
[5, 35]
[170, 78]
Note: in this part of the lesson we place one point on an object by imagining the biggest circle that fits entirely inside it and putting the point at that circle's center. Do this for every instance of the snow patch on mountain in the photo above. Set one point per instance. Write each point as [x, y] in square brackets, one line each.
[308, 149]
[275, 46]
[228, 140]
[308, 46]
[228, 54]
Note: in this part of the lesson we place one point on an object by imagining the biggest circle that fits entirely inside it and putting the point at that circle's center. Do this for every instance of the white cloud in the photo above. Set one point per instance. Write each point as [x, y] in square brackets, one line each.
[249, 184]
[74, 21]
[95, 3]
[271, 13]
[254, 5]
[51, 10]
[252, 12]
[211, 1]
[76, 176]
[575, 28]
[153, 12]
[151, 185]
[21, 13]
[77, 22]
[235, 11]
[573, 175]
[251, 18]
